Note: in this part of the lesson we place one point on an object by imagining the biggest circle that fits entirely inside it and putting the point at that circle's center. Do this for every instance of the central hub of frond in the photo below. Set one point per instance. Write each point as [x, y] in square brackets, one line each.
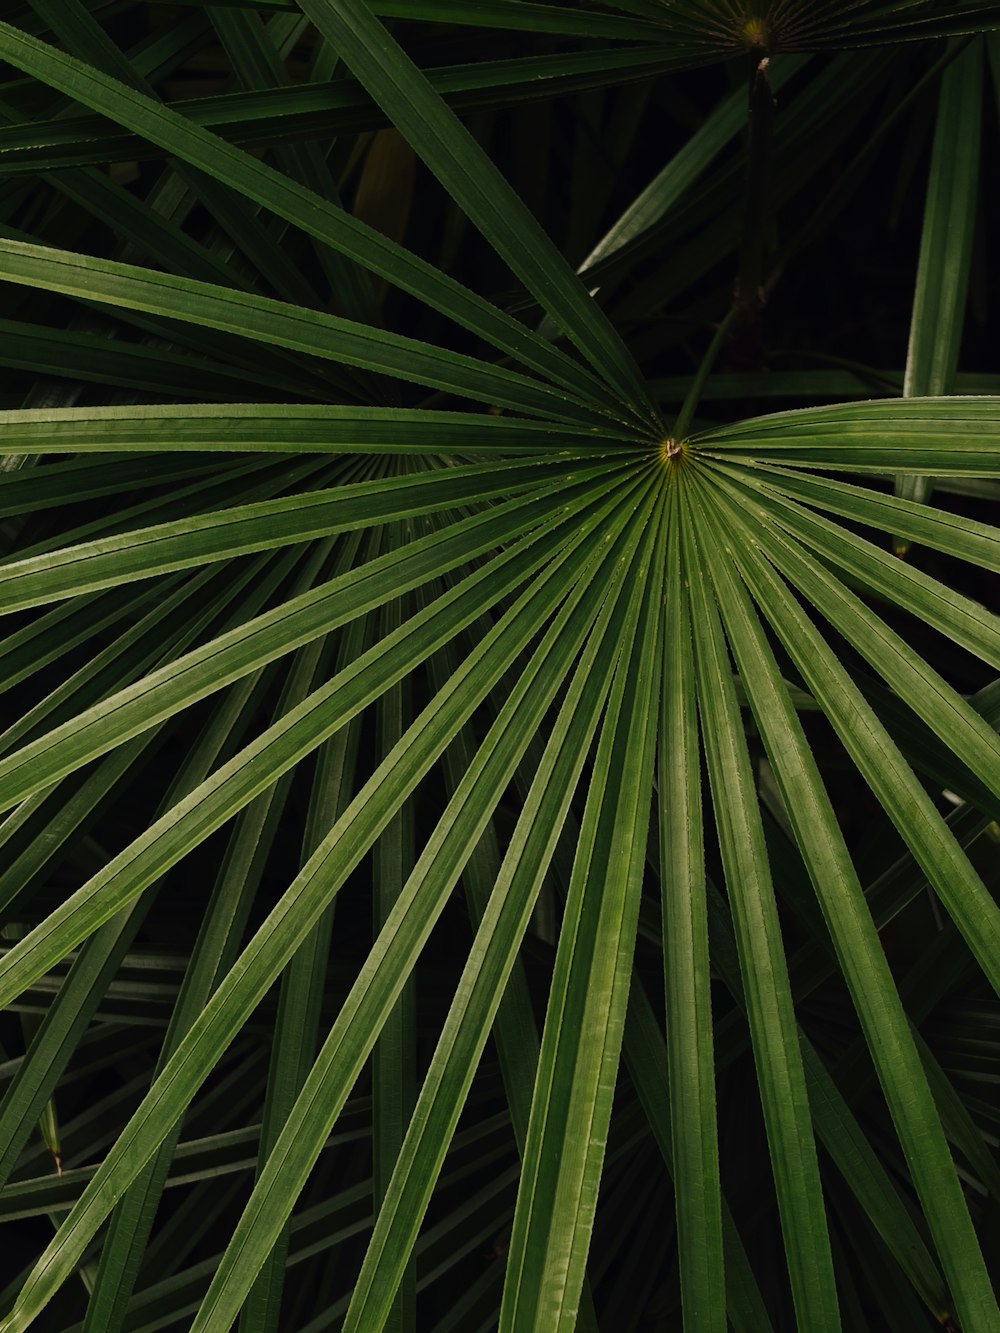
[755, 34]
[672, 451]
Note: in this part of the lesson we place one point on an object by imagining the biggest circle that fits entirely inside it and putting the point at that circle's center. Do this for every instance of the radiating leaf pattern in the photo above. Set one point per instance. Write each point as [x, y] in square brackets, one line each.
[454, 637]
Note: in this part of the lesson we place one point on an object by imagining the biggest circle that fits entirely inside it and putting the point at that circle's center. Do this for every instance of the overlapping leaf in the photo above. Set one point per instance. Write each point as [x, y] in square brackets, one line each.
[599, 683]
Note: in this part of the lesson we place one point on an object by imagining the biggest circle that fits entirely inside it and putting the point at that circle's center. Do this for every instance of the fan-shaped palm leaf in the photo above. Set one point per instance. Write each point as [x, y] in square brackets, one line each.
[538, 646]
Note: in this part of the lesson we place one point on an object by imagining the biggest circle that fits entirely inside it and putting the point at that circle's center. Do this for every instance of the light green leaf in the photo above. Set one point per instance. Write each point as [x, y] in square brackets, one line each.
[762, 963]
[283, 325]
[581, 1042]
[859, 951]
[952, 436]
[686, 962]
[306, 899]
[293, 428]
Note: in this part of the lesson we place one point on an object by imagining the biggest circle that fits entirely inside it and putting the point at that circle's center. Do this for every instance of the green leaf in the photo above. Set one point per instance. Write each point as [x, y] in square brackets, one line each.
[394, 1059]
[491, 960]
[962, 537]
[688, 986]
[406, 929]
[275, 322]
[683, 170]
[319, 880]
[585, 1017]
[953, 436]
[521, 15]
[878, 760]
[293, 428]
[278, 193]
[217, 943]
[278, 114]
[246, 528]
[645, 1056]
[762, 963]
[859, 951]
[481, 191]
[939, 300]
[961, 618]
[301, 619]
[516, 685]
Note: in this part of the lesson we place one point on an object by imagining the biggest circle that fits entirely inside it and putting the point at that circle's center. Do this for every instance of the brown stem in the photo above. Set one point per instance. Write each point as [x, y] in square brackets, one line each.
[751, 265]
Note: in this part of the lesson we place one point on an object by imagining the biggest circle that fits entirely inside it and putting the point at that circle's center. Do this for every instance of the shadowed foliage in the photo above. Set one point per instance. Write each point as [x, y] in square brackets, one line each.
[498, 764]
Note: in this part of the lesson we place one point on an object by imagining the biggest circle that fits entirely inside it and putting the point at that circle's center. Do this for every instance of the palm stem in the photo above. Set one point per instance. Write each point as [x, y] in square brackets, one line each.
[761, 129]
[690, 404]
[747, 297]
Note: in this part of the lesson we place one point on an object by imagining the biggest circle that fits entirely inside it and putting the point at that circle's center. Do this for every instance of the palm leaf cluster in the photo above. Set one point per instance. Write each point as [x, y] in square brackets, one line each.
[500, 823]
[795, 25]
